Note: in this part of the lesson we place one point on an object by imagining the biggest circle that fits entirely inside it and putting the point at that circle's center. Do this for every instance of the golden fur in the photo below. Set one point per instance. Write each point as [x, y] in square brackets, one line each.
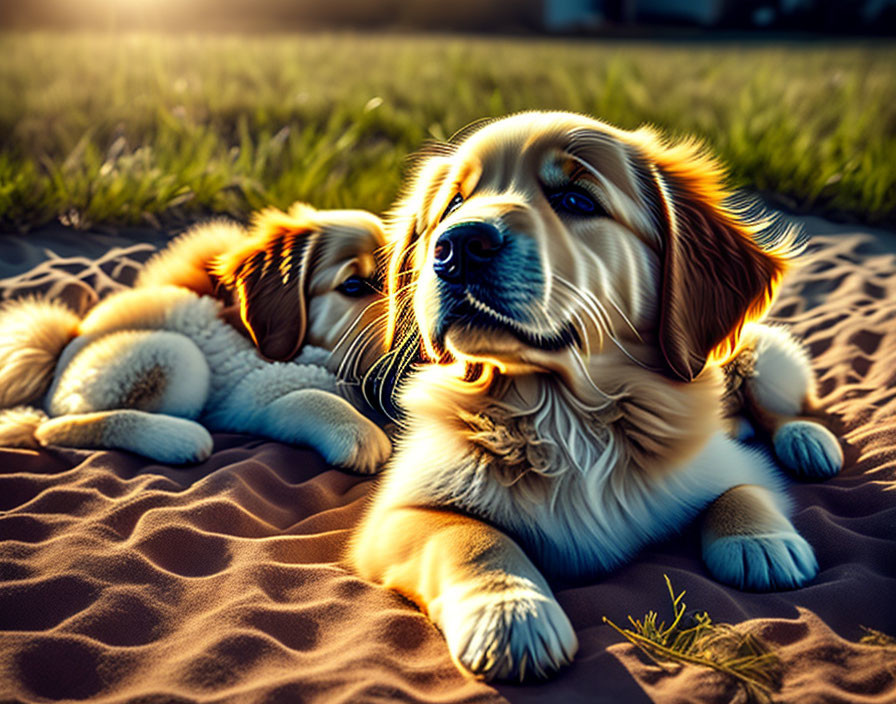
[575, 290]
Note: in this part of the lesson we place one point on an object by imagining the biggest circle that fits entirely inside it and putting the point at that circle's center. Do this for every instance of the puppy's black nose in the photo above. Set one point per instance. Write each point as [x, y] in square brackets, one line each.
[464, 249]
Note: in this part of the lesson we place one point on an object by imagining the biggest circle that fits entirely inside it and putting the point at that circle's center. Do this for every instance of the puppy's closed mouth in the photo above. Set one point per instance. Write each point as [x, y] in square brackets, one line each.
[470, 312]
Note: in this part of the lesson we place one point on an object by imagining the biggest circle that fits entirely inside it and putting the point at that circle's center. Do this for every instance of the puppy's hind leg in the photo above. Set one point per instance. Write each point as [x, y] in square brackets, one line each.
[124, 390]
[160, 437]
[780, 396]
[155, 371]
[749, 543]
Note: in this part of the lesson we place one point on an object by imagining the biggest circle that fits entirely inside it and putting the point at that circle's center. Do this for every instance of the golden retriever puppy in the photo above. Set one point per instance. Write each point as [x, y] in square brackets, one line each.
[152, 369]
[575, 290]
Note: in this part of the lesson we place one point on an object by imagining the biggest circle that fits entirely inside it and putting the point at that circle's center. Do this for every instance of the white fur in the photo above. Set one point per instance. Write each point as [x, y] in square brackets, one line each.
[783, 384]
[783, 371]
[582, 509]
[95, 378]
[210, 371]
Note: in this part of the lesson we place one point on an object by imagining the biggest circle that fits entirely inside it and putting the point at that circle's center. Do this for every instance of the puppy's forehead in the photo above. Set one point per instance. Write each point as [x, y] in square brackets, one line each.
[352, 228]
[546, 144]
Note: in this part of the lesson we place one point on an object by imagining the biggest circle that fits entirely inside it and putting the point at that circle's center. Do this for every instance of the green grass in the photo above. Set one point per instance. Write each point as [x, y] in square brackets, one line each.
[136, 129]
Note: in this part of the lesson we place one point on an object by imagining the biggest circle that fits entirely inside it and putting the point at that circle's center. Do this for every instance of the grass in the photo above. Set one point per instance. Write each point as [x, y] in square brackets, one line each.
[146, 129]
[717, 646]
[877, 638]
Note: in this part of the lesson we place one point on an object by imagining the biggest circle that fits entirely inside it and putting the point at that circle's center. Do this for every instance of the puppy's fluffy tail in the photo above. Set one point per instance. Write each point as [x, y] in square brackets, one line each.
[19, 425]
[33, 333]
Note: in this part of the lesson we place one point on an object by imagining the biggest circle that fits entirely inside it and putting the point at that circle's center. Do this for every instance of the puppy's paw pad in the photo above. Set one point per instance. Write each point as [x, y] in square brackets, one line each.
[365, 448]
[511, 635]
[767, 562]
[808, 449]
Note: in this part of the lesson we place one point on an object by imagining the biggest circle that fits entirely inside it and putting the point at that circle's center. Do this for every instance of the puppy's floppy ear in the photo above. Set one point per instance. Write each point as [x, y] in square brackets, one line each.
[406, 222]
[269, 277]
[716, 274]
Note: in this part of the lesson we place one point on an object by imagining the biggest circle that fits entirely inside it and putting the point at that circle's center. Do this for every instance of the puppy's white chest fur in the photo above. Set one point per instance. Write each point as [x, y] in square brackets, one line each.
[567, 480]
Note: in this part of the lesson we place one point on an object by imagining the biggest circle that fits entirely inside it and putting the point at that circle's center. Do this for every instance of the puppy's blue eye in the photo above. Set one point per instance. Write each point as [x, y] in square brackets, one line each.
[574, 201]
[355, 287]
[453, 205]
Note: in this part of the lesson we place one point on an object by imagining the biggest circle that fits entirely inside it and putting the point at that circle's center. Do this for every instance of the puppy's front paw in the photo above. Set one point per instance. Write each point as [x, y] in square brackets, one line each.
[767, 562]
[509, 633]
[808, 449]
[361, 446]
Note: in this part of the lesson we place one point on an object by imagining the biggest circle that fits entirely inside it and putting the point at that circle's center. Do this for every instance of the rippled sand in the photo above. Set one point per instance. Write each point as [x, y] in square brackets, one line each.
[122, 580]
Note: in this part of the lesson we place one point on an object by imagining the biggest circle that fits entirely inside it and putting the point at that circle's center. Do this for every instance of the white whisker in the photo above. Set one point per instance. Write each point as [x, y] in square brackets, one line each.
[585, 297]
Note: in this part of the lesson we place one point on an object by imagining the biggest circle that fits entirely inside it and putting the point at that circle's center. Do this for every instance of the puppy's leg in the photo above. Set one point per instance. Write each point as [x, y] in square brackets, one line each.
[495, 609]
[780, 396]
[287, 402]
[749, 543]
[160, 437]
[156, 371]
[329, 424]
[102, 398]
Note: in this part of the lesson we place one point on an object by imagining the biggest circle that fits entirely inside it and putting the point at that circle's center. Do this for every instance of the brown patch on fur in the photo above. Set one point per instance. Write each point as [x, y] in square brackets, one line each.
[743, 510]
[147, 389]
[737, 371]
[716, 276]
[507, 440]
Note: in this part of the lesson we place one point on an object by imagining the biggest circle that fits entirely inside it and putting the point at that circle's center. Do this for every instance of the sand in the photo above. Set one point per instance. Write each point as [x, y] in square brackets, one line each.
[122, 580]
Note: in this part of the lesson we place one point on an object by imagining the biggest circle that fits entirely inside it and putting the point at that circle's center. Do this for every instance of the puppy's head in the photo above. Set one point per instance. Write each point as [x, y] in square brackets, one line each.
[542, 237]
[303, 277]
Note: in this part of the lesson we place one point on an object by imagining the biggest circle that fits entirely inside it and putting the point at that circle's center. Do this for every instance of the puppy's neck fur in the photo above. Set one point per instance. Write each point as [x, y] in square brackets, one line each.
[526, 454]
[537, 423]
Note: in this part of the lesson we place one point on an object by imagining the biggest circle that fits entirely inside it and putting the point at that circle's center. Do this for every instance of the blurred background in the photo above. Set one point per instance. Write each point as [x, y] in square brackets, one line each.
[524, 16]
[159, 112]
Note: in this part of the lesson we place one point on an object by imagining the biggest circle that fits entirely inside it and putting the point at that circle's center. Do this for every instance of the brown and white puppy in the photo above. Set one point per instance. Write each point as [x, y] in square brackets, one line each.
[575, 289]
[146, 366]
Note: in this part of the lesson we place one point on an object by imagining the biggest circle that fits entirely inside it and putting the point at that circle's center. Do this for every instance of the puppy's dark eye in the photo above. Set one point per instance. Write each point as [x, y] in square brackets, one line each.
[355, 287]
[453, 205]
[574, 201]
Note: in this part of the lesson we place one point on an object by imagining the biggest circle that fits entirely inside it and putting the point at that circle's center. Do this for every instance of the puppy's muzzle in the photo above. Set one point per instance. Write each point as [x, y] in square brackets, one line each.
[464, 251]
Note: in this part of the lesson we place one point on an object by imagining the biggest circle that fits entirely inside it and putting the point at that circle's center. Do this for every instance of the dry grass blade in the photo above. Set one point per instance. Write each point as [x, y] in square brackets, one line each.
[877, 638]
[698, 641]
